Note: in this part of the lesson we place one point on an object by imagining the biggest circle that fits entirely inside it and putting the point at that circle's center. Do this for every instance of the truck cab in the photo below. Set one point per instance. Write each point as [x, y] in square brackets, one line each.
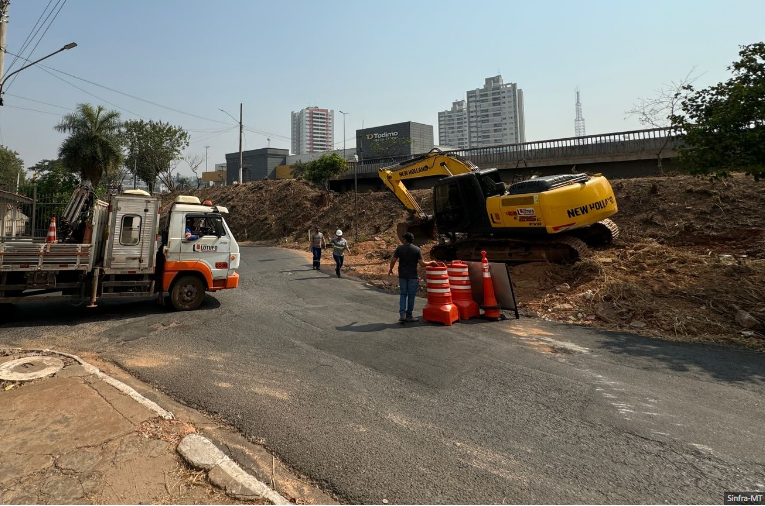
[199, 252]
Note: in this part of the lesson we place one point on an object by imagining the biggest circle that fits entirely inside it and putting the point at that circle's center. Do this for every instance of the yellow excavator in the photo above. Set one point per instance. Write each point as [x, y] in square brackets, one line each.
[549, 218]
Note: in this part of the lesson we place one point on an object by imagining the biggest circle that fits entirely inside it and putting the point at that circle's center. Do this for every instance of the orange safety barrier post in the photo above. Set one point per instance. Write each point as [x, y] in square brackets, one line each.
[439, 307]
[462, 292]
[490, 305]
[51, 237]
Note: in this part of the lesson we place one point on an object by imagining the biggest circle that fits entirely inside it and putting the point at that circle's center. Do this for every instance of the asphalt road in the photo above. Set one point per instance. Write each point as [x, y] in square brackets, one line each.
[319, 370]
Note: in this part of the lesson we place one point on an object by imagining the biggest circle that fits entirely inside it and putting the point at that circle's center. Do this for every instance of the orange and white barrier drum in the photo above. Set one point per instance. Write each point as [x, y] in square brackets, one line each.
[462, 291]
[439, 307]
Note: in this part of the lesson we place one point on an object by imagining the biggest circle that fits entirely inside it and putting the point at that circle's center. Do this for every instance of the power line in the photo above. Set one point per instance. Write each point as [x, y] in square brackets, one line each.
[95, 96]
[264, 132]
[27, 40]
[203, 138]
[208, 131]
[41, 36]
[45, 69]
[33, 110]
[39, 102]
[137, 98]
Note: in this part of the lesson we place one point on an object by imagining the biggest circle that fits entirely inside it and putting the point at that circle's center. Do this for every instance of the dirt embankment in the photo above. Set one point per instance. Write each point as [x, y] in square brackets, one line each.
[689, 264]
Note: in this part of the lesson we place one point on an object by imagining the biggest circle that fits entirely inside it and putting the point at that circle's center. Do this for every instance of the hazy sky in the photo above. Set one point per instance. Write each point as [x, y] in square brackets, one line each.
[380, 61]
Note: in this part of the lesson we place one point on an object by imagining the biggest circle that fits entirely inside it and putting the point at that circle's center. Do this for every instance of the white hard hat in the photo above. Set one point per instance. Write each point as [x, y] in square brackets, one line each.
[339, 232]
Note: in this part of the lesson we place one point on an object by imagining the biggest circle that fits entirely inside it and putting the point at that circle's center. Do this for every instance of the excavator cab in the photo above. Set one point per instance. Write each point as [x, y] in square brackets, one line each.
[459, 202]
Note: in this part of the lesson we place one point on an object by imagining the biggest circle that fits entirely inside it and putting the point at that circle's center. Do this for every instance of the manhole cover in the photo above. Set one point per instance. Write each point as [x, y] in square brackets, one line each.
[29, 368]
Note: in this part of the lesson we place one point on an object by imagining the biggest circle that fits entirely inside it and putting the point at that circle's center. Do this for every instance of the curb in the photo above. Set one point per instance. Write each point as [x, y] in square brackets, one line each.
[196, 450]
[223, 472]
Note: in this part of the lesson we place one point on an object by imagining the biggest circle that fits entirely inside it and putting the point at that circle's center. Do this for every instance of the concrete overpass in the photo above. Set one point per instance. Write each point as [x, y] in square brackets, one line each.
[616, 155]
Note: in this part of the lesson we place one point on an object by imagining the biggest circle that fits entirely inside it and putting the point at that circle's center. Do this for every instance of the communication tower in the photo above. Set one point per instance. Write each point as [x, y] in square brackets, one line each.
[579, 121]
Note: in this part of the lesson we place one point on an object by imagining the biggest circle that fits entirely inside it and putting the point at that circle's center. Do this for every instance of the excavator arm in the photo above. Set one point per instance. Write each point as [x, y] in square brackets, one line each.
[433, 163]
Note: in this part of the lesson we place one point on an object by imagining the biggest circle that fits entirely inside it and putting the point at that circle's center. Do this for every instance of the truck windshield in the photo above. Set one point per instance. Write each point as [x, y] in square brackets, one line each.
[206, 224]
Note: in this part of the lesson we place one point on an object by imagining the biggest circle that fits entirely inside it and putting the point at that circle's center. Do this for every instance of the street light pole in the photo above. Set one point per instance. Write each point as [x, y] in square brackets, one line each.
[3, 14]
[68, 46]
[241, 132]
[355, 186]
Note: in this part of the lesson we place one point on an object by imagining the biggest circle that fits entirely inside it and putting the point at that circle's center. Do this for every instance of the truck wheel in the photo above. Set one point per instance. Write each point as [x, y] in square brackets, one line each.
[188, 293]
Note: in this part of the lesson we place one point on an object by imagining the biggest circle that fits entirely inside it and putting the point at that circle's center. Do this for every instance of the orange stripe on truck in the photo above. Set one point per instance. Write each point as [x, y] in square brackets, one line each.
[173, 268]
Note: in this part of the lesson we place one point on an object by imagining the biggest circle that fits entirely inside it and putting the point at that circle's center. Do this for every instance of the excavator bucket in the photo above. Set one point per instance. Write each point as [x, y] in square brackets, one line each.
[423, 231]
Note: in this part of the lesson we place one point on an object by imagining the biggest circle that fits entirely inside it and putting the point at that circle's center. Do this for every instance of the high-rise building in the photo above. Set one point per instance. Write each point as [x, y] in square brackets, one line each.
[495, 114]
[312, 130]
[453, 126]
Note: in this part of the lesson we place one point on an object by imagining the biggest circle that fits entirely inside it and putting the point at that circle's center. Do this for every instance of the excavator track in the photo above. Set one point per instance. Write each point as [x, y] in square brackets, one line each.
[559, 249]
[598, 234]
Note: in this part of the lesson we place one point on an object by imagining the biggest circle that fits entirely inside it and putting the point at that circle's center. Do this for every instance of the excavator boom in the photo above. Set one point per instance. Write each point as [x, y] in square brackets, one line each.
[433, 163]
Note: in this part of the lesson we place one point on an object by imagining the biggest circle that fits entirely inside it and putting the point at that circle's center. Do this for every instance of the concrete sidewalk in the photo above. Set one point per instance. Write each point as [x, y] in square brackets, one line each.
[77, 436]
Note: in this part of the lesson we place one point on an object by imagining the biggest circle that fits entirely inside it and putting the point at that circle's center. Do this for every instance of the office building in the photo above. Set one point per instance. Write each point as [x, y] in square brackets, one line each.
[257, 164]
[312, 130]
[399, 139]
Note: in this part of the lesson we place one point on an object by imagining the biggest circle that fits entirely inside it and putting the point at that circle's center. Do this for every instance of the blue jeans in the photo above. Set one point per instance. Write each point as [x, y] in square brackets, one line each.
[316, 257]
[408, 290]
[339, 259]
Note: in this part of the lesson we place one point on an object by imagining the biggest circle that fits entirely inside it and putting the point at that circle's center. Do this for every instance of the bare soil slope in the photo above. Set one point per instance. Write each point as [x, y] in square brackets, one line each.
[689, 263]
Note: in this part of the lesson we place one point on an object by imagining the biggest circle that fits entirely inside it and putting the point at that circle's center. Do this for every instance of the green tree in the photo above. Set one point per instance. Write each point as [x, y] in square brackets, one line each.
[93, 146]
[724, 125]
[184, 183]
[55, 183]
[298, 169]
[11, 169]
[324, 168]
[390, 146]
[154, 147]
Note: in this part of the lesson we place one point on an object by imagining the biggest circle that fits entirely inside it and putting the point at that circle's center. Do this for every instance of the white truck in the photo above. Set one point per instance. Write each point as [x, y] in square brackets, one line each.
[118, 249]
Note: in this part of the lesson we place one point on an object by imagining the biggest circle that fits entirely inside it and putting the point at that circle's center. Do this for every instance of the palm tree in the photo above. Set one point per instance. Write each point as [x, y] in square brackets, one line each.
[93, 146]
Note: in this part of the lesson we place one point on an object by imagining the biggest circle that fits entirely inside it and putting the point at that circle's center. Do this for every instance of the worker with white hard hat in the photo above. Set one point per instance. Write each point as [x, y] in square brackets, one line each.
[340, 245]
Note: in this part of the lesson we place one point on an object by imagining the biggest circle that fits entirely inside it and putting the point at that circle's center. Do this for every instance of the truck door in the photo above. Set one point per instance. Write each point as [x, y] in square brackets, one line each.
[132, 244]
[207, 242]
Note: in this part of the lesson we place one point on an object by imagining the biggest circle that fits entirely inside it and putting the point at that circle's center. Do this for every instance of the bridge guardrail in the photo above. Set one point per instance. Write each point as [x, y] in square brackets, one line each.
[506, 155]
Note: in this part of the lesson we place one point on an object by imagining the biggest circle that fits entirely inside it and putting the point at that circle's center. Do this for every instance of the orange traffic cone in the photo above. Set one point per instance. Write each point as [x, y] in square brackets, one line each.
[51, 231]
[490, 306]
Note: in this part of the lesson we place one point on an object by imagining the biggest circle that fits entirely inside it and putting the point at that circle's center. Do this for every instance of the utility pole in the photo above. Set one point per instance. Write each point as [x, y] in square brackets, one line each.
[355, 187]
[241, 132]
[206, 148]
[3, 22]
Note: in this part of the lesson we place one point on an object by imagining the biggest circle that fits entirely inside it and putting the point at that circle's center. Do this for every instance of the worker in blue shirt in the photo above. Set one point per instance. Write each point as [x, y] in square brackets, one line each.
[190, 236]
